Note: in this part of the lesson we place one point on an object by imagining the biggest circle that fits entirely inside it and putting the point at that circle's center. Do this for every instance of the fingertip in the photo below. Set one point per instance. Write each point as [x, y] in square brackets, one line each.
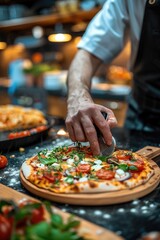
[112, 122]
[95, 148]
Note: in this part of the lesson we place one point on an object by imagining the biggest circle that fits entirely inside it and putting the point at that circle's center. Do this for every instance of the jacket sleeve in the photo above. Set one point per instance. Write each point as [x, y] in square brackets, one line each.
[106, 34]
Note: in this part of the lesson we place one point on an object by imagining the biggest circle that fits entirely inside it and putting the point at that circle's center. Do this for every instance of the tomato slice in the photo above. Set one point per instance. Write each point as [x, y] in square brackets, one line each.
[139, 164]
[83, 168]
[5, 228]
[105, 174]
[52, 176]
[19, 134]
[124, 155]
[3, 161]
[41, 128]
[26, 133]
[37, 214]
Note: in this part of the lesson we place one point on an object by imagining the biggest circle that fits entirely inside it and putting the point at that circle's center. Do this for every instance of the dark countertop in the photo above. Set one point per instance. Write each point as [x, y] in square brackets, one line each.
[130, 220]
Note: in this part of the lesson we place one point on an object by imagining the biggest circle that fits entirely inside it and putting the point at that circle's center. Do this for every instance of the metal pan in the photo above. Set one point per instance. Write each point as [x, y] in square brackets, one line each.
[6, 145]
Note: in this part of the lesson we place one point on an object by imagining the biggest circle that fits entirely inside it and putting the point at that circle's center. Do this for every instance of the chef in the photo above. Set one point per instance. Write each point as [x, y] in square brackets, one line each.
[104, 38]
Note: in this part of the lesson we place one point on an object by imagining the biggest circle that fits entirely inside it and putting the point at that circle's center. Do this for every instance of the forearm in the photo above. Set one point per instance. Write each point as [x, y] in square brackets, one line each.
[82, 114]
[80, 74]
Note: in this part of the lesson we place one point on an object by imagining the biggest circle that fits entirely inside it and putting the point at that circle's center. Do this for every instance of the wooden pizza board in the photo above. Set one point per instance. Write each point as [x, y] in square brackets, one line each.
[105, 198]
[93, 231]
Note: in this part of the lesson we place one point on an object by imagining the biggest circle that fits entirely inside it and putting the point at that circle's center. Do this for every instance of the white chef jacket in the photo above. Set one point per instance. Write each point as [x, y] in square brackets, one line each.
[108, 31]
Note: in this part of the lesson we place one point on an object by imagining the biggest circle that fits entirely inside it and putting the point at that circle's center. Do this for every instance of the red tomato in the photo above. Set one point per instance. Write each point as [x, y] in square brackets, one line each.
[3, 161]
[83, 168]
[41, 128]
[36, 216]
[52, 176]
[105, 174]
[124, 156]
[5, 228]
[19, 134]
[139, 164]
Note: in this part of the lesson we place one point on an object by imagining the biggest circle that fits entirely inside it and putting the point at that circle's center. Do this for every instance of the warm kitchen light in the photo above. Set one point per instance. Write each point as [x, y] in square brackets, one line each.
[59, 37]
[62, 132]
[3, 45]
[37, 32]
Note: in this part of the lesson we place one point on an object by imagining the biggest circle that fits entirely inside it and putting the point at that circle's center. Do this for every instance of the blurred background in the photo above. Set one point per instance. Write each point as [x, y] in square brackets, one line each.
[38, 40]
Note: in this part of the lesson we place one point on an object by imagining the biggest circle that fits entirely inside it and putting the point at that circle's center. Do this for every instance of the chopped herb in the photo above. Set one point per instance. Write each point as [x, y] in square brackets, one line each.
[69, 179]
[133, 160]
[111, 166]
[92, 177]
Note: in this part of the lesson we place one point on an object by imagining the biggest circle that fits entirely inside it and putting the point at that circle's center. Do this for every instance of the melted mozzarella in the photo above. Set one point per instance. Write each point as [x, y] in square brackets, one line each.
[39, 165]
[96, 167]
[70, 161]
[98, 162]
[121, 175]
[56, 166]
[83, 162]
[83, 179]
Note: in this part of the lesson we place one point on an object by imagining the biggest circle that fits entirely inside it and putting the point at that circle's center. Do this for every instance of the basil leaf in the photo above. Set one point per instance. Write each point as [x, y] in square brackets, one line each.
[102, 158]
[69, 235]
[133, 168]
[38, 231]
[124, 167]
[56, 220]
[72, 224]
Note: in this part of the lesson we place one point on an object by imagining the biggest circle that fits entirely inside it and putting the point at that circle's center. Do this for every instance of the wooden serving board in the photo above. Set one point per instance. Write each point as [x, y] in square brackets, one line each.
[93, 231]
[105, 198]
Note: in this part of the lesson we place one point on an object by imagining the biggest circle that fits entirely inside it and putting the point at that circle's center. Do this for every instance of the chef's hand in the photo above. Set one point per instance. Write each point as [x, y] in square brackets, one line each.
[82, 119]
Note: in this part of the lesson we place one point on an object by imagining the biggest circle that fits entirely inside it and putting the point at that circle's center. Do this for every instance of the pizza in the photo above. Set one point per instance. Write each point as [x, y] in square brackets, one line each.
[17, 117]
[74, 169]
[29, 220]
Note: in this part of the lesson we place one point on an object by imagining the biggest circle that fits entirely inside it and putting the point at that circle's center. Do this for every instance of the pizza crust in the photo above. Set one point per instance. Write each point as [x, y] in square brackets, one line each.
[27, 170]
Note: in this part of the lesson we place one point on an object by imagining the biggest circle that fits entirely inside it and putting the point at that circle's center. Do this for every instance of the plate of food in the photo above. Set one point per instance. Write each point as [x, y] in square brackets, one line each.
[21, 215]
[71, 174]
[21, 126]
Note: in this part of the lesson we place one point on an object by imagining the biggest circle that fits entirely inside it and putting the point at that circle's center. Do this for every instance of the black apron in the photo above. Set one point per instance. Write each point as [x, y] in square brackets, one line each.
[144, 102]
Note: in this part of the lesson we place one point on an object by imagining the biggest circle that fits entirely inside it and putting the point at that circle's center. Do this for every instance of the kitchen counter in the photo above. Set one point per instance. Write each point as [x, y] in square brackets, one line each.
[112, 96]
[103, 90]
[129, 220]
